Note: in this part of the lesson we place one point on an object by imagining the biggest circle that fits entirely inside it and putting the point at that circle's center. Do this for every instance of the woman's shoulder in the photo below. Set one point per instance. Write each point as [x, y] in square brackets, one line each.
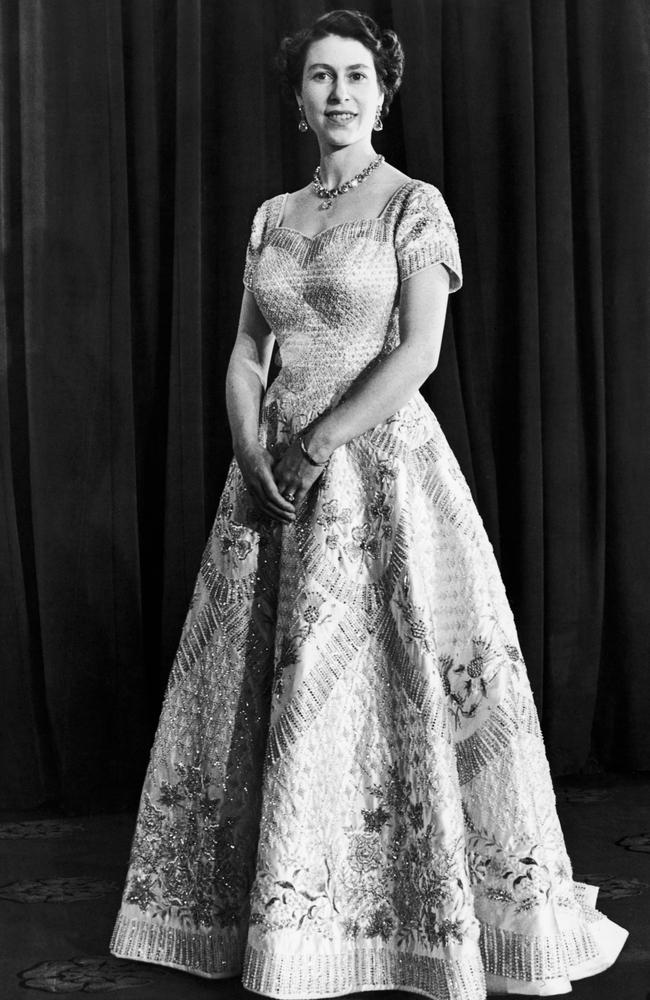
[265, 213]
[416, 191]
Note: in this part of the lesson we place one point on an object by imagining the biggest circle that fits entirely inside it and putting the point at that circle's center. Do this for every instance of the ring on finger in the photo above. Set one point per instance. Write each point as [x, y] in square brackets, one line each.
[289, 495]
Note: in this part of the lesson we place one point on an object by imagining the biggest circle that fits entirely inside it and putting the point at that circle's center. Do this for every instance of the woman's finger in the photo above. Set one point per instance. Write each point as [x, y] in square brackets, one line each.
[273, 494]
[283, 511]
[272, 510]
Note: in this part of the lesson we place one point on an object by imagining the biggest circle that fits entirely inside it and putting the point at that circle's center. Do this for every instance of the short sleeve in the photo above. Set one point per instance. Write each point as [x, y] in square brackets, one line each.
[425, 235]
[254, 246]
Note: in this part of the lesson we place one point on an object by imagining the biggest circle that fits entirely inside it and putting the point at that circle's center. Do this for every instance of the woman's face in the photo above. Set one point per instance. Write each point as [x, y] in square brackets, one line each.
[340, 90]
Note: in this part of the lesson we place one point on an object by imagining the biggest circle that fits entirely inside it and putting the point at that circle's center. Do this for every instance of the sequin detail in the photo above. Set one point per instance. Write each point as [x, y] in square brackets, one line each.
[348, 788]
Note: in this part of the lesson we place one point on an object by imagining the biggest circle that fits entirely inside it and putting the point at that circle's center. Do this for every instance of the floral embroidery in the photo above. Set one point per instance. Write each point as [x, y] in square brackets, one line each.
[381, 924]
[141, 891]
[236, 538]
[310, 616]
[332, 514]
[226, 505]
[374, 819]
[364, 852]
[468, 682]
[300, 901]
[415, 617]
[400, 881]
[522, 880]
[364, 541]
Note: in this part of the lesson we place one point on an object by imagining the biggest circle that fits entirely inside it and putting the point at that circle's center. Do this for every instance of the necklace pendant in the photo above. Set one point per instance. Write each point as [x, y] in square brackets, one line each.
[329, 194]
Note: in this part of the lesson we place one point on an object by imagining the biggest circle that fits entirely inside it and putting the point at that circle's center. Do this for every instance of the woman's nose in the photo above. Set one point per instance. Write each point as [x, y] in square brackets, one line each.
[339, 90]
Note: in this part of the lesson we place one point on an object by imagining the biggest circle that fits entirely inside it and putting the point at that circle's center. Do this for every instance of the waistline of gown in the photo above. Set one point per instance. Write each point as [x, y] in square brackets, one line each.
[307, 390]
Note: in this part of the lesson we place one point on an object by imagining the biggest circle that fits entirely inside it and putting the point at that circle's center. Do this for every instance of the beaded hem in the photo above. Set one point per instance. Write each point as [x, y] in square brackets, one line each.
[533, 965]
[529, 959]
[213, 955]
[298, 977]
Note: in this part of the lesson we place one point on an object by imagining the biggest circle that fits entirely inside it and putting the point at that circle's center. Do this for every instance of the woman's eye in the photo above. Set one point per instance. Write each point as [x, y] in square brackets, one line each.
[358, 76]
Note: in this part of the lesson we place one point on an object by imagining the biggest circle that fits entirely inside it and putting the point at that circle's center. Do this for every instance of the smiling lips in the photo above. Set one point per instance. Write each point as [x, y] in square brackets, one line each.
[340, 116]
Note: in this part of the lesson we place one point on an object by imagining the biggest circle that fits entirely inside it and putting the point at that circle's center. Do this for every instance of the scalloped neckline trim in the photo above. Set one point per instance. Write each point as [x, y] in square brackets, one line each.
[346, 222]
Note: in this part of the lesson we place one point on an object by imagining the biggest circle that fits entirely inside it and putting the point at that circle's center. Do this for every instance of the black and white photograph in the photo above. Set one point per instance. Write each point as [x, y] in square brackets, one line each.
[325, 499]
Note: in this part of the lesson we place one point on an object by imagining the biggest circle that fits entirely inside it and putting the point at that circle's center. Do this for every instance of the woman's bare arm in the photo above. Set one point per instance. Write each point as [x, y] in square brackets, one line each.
[247, 373]
[245, 386]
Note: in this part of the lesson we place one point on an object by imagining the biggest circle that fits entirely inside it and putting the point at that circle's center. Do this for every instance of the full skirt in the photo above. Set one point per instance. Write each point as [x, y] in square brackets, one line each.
[348, 789]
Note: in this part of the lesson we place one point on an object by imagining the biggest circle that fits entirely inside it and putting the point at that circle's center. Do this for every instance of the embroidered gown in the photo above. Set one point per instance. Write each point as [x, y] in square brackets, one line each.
[348, 788]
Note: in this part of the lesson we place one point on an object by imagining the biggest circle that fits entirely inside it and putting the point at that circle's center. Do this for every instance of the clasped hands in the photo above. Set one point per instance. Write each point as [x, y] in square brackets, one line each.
[278, 486]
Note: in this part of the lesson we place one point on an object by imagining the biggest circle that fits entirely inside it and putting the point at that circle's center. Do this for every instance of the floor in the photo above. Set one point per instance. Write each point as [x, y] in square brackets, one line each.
[60, 880]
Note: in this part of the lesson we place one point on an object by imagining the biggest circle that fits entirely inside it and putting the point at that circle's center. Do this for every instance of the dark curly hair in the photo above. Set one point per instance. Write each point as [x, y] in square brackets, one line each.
[385, 47]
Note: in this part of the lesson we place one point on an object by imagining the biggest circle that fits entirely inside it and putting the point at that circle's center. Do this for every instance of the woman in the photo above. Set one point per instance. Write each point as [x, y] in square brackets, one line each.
[348, 789]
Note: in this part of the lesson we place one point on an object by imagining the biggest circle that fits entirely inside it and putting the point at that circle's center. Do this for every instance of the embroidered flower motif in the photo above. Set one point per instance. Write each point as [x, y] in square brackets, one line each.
[396, 791]
[364, 541]
[302, 898]
[226, 505]
[386, 472]
[499, 895]
[476, 866]
[414, 616]
[518, 879]
[381, 924]
[288, 655]
[379, 508]
[407, 904]
[331, 514]
[476, 666]
[374, 819]
[442, 932]
[364, 852]
[467, 679]
[415, 815]
[445, 665]
[351, 928]
[140, 891]
[237, 540]
[170, 795]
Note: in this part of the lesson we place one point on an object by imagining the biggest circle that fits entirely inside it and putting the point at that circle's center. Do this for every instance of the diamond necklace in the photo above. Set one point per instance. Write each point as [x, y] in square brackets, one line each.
[329, 194]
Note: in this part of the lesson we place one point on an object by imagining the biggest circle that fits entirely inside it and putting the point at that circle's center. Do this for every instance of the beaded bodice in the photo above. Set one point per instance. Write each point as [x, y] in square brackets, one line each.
[332, 300]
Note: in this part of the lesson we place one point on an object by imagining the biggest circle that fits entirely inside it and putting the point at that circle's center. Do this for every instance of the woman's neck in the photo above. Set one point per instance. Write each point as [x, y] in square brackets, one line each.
[339, 165]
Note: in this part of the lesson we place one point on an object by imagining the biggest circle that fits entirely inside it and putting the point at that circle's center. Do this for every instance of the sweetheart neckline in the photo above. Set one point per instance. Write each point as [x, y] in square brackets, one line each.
[345, 222]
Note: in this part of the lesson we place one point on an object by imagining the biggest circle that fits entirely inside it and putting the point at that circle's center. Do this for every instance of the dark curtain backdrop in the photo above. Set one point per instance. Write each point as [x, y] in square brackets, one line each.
[137, 139]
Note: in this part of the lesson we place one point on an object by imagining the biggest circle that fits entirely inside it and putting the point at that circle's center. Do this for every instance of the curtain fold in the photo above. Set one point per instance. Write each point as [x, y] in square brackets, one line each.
[137, 140]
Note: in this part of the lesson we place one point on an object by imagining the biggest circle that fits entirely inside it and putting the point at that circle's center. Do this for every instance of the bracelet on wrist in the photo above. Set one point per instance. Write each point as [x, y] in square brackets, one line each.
[312, 461]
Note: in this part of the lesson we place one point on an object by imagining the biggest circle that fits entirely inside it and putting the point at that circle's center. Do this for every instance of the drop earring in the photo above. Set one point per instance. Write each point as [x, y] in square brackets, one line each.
[302, 124]
[378, 124]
